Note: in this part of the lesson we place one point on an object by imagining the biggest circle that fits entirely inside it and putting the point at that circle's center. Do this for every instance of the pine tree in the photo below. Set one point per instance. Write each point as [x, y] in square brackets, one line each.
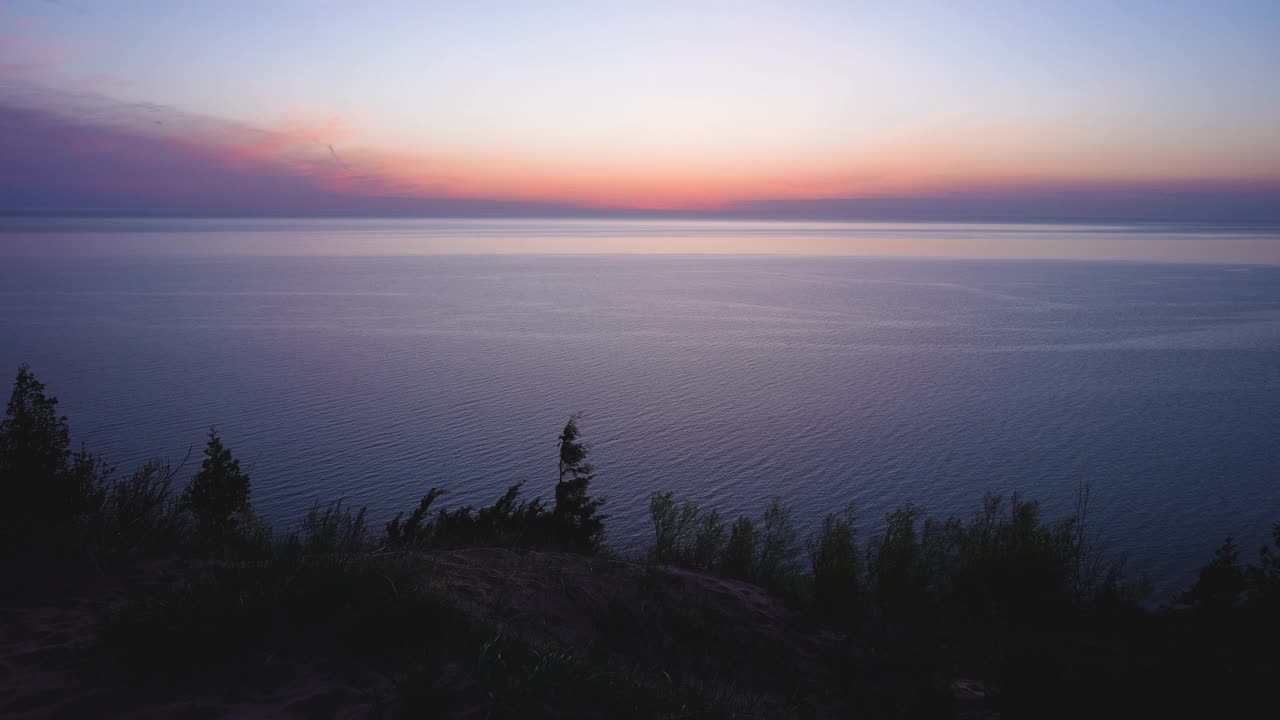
[576, 513]
[219, 494]
[35, 443]
[45, 487]
[1220, 584]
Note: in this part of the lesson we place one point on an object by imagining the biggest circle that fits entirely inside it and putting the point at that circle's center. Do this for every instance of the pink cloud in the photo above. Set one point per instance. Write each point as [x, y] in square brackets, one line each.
[77, 150]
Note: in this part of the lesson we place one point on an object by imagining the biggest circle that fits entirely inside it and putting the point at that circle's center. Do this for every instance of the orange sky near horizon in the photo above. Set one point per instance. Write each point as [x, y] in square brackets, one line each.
[703, 107]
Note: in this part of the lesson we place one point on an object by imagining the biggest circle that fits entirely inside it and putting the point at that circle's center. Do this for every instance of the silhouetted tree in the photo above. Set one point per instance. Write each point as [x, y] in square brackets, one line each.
[45, 486]
[684, 535]
[1264, 586]
[1265, 576]
[1218, 588]
[708, 542]
[672, 526]
[218, 496]
[898, 571]
[837, 567]
[776, 563]
[34, 440]
[740, 552]
[576, 513]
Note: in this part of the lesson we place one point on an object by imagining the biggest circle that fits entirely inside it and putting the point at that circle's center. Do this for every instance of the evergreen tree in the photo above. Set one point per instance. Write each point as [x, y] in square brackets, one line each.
[35, 441]
[576, 513]
[218, 495]
[1220, 584]
[46, 487]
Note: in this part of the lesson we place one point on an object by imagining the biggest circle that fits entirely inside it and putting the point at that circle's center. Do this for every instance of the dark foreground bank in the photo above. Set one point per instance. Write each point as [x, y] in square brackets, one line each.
[129, 595]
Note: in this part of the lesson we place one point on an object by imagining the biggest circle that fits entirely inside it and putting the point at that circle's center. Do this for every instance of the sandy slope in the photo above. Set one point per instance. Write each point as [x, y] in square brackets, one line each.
[552, 600]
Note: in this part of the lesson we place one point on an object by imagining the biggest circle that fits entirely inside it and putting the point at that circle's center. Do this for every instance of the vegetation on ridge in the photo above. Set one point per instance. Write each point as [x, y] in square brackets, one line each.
[1004, 613]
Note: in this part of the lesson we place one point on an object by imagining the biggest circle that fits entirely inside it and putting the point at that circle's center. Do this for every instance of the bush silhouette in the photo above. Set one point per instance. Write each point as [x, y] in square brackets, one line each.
[140, 511]
[332, 528]
[509, 522]
[417, 529]
[574, 524]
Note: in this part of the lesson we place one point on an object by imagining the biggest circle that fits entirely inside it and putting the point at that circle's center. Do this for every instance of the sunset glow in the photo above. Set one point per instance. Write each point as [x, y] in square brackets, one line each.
[718, 108]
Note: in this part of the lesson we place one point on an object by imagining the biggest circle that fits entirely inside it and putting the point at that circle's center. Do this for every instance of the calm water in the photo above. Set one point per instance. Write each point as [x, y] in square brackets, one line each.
[727, 379]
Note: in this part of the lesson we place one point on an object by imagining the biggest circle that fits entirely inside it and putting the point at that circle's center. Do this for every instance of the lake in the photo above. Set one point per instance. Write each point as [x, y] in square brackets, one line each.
[368, 360]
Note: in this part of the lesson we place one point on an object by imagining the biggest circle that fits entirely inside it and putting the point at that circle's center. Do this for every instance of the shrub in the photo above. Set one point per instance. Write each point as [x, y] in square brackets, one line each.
[417, 529]
[333, 529]
[86, 481]
[509, 522]
[140, 511]
[252, 538]
[574, 524]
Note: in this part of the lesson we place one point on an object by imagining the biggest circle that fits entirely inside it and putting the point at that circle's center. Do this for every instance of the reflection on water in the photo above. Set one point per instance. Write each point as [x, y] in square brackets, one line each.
[231, 236]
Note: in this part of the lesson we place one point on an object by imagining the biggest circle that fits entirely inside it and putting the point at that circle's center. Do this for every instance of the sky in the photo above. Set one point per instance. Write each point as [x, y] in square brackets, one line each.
[794, 110]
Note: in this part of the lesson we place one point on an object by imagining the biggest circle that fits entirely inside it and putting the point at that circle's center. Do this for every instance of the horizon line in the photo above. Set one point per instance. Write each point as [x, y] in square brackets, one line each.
[555, 213]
